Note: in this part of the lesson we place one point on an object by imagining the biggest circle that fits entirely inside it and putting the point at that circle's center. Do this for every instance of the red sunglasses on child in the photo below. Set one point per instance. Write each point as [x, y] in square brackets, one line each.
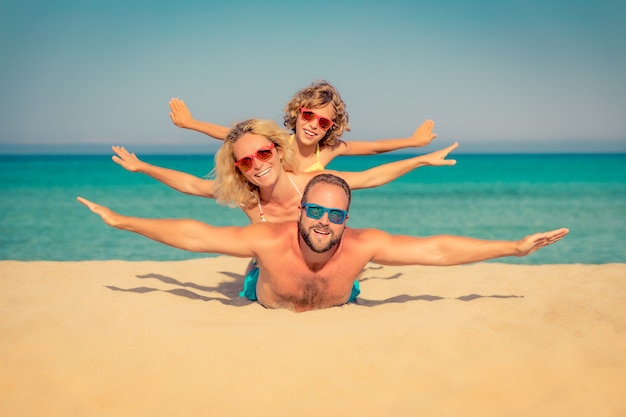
[263, 154]
[308, 116]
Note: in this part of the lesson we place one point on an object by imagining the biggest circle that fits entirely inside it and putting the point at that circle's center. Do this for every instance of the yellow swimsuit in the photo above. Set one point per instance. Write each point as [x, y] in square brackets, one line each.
[317, 165]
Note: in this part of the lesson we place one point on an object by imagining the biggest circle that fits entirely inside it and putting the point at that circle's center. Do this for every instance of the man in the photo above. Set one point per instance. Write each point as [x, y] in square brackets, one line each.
[313, 263]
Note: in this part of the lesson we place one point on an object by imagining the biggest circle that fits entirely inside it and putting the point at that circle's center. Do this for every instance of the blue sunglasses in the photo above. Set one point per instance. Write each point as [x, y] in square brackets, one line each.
[336, 216]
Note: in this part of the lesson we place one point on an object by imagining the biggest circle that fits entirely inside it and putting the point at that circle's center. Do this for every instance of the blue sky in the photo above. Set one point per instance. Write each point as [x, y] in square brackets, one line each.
[501, 75]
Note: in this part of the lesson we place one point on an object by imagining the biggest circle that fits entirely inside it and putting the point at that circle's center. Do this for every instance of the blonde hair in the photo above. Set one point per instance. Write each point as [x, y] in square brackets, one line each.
[231, 186]
[319, 94]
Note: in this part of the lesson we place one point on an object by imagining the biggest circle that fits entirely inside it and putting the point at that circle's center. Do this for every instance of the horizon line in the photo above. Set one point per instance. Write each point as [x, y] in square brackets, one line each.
[491, 147]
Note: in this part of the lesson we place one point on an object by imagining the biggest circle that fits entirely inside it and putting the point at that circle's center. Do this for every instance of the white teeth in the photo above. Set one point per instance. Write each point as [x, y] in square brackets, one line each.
[309, 133]
[321, 231]
[263, 173]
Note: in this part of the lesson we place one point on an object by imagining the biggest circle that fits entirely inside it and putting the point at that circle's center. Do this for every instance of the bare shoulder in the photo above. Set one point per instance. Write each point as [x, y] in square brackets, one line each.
[267, 237]
[302, 178]
[366, 239]
[366, 233]
[270, 230]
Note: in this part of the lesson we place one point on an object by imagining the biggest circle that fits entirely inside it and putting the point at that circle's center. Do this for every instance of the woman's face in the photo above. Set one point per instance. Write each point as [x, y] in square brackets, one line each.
[257, 159]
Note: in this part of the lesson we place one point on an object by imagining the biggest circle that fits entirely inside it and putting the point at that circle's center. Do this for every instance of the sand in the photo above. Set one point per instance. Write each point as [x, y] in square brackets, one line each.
[117, 338]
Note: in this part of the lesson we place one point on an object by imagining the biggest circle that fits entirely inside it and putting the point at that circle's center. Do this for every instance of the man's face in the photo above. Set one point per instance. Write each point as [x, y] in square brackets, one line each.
[321, 235]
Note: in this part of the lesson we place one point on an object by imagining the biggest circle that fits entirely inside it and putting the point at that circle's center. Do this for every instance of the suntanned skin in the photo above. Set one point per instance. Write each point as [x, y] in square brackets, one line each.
[294, 276]
[279, 199]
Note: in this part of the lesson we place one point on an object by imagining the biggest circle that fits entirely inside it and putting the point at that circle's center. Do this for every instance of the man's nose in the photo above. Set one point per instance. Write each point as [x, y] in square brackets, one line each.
[324, 219]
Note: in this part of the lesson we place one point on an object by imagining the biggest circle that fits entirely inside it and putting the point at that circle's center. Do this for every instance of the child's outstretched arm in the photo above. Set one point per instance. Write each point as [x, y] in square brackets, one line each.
[422, 136]
[181, 116]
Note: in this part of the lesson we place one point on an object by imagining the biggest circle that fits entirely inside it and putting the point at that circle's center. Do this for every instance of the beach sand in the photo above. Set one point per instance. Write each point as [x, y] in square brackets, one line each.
[117, 338]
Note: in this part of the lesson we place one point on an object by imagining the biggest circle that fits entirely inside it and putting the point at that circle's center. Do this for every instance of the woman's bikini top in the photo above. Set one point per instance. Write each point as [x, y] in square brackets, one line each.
[259, 203]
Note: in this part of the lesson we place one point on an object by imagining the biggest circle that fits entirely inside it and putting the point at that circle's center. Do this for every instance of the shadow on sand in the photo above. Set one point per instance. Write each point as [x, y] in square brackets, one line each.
[230, 291]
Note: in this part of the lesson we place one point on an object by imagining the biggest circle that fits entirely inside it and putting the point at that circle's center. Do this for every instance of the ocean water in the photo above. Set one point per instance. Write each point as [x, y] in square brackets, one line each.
[484, 196]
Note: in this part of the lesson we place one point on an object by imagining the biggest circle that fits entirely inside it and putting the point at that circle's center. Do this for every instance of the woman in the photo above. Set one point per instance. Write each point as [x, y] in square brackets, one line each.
[255, 170]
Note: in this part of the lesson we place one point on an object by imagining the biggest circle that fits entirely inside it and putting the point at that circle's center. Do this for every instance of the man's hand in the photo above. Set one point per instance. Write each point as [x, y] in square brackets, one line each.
[179, 114]
[536, 241]
[127, 160]
[108, 216]
[423, 135]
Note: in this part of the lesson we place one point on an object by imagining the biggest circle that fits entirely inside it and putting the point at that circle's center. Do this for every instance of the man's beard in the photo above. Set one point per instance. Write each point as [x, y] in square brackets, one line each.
[306, 236]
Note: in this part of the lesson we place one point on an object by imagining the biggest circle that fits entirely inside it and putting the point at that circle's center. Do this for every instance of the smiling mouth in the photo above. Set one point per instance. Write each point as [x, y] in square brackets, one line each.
[323, 231]
[263, 173]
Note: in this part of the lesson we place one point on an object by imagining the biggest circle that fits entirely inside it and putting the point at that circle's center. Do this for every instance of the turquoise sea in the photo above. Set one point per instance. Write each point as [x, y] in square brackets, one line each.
[485, 196]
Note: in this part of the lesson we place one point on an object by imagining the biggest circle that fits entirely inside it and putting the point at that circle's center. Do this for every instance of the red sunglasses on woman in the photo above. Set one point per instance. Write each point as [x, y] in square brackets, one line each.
[263, 154]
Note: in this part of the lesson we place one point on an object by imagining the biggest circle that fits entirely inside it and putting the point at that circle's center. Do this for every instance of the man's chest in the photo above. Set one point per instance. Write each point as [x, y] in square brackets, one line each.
[294, 285]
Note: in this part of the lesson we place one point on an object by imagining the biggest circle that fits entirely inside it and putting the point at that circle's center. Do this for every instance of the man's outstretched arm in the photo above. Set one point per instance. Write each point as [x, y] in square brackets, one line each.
[190, 235]
[455, 250]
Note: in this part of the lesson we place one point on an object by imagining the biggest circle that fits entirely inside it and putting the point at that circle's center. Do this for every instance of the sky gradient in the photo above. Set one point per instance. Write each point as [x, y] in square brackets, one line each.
[514, 75]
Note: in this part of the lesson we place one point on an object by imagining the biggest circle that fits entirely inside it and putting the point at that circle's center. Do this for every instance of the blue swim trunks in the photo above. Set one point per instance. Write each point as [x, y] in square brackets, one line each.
[249, 287]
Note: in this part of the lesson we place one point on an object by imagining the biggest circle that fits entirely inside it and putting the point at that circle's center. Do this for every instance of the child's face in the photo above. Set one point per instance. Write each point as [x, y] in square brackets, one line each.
[310, 132]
